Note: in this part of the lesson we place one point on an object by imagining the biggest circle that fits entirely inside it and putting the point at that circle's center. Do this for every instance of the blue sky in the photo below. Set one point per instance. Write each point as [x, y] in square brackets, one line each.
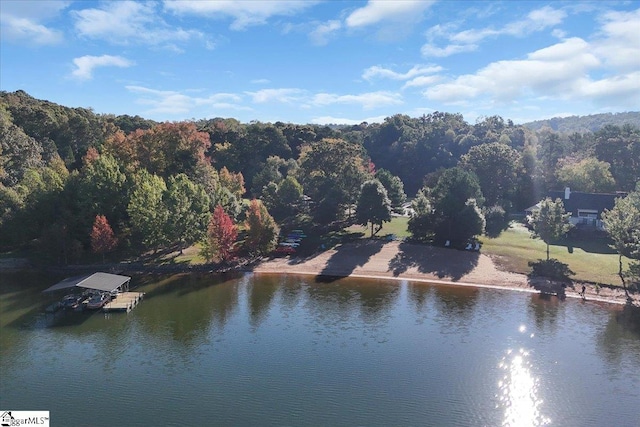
[325, 61]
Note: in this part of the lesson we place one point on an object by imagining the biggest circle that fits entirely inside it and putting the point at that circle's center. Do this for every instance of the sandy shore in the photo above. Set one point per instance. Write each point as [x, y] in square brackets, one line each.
[405, 261]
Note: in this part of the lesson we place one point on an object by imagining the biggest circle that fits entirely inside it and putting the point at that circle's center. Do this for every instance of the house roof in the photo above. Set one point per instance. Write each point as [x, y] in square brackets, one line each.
[99, 281]
[579, 200]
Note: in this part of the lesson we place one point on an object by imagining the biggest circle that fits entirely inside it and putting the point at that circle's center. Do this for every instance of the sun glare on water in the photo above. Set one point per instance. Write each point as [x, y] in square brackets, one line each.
[518, 391]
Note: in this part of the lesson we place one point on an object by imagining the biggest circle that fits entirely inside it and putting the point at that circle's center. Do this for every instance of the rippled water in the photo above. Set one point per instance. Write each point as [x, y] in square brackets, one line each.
[283, 350]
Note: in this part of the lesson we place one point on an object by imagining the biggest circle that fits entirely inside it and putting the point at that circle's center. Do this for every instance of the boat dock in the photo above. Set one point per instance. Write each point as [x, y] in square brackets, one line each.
[124, 301]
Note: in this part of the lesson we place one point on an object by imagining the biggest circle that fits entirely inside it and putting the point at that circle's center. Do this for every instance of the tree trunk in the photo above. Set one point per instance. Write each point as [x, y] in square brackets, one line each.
[624, 284]
[372, 230]
[547, 252]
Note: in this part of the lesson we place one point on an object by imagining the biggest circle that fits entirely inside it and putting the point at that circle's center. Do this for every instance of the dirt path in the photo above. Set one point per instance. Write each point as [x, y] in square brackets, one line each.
[399, 260]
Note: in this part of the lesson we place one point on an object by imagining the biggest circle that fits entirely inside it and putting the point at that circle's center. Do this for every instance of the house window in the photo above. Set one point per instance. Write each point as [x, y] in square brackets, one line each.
[587, 213]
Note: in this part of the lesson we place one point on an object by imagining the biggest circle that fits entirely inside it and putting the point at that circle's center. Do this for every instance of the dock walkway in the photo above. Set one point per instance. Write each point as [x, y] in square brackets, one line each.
[124, 301]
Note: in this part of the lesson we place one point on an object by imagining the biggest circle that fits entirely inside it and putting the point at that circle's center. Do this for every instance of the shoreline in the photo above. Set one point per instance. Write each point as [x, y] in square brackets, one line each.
[431, 265]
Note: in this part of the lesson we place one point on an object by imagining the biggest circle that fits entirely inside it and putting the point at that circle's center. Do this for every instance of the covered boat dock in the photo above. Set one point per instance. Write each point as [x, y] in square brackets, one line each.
[104, 282]
[115, 284]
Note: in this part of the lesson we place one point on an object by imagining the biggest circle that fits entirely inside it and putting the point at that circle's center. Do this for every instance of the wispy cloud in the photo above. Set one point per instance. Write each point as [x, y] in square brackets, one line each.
[377, 71]
[24, 21]
[86, 64]
[174, 103]
[324, 32]
[328, 120]
[130, 22]
[283, 95]
[469, 40]
[392, 20]
[377, 11]
[368, 101]
[243, 12]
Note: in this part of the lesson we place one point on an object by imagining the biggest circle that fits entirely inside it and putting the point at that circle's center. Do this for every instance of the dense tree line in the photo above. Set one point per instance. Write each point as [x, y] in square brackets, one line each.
[157, 185]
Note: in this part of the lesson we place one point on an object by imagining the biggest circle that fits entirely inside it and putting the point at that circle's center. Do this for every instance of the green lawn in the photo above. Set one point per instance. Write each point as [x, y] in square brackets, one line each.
[397, 226]
[591, 259]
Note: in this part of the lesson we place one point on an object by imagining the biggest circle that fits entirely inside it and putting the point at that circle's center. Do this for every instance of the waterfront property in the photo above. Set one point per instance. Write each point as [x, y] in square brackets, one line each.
[270, 350]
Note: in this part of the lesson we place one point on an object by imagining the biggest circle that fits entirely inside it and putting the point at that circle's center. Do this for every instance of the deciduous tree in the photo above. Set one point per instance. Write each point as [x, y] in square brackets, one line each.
[188, 206]
[222, 234]
[623, 226]
[373, 206]
[550, 222]
[147, 211]
[102, 238]
[262, 230]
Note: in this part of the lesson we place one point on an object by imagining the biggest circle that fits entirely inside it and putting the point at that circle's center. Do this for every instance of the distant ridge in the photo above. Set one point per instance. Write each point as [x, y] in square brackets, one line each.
[590, 123]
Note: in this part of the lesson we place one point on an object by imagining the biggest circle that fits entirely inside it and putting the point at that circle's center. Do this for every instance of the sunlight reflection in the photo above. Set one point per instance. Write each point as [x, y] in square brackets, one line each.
[519, 392]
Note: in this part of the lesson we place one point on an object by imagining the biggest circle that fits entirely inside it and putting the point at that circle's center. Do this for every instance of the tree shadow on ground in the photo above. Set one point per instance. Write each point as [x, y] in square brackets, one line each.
[347, 258]
[430, 260]
[550, 277]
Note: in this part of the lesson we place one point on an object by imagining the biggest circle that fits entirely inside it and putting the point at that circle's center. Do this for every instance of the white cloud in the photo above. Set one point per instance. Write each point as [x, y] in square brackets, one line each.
[468, 40]
[167, 102]
[125, 22]
[324, 31]
[440, 52]
[619, 42]
[328, 120]
[377, 11]
[422, 81]
[377, 71]
[561, 71]
[24, 21]
[86, 64]
[284, 95]
[368, 101]
[244, 12]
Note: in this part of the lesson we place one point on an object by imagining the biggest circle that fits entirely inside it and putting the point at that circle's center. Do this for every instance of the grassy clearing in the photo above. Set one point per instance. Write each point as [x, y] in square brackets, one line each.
[397, 226]
[590, 258]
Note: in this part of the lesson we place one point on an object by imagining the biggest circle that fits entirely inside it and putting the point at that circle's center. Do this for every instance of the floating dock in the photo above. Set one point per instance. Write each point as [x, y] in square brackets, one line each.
[124, 301]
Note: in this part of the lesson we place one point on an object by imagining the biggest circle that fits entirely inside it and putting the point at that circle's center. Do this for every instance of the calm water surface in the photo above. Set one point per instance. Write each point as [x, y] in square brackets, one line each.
[283, 350]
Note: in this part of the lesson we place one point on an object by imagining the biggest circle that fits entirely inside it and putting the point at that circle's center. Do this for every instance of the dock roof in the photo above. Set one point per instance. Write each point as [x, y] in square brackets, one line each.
[99, 281]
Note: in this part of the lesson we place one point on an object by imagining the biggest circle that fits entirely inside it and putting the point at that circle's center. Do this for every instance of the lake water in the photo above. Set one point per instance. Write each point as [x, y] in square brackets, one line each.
[290, 351]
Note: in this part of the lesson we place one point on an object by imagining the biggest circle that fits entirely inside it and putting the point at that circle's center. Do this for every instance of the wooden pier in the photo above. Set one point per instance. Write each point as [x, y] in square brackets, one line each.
[124, 301]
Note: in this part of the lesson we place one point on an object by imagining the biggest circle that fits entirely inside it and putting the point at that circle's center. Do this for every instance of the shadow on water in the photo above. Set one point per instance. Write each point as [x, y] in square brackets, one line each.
[184, 283]
[430, 260]
[260, 297]
[347, 259]
[620, 338]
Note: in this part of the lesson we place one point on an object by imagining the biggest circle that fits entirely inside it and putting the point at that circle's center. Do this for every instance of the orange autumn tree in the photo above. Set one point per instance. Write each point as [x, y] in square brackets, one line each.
[221, 235]
[262, 230]
[102, 238]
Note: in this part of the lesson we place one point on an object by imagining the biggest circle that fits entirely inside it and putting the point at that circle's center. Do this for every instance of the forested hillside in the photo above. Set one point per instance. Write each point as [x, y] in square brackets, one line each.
[64, 171]
[590, 123]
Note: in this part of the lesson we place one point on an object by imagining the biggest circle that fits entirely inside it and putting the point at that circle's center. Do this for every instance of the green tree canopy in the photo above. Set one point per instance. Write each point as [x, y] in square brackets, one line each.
[550, 222]
[373, 206]
[457, 196]
[188, 206]
[496, 166]
[147, 211]
[331, 172]
[623, 226]
[394, 186]
[589, 175]
[262, 230]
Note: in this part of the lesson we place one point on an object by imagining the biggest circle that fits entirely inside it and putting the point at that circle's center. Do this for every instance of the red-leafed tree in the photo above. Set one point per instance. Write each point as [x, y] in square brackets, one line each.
[102, 237]
[222, 234]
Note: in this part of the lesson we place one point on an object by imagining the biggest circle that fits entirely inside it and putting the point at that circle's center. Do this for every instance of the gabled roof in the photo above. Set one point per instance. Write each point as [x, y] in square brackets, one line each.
[579, 200]
[99, 281]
